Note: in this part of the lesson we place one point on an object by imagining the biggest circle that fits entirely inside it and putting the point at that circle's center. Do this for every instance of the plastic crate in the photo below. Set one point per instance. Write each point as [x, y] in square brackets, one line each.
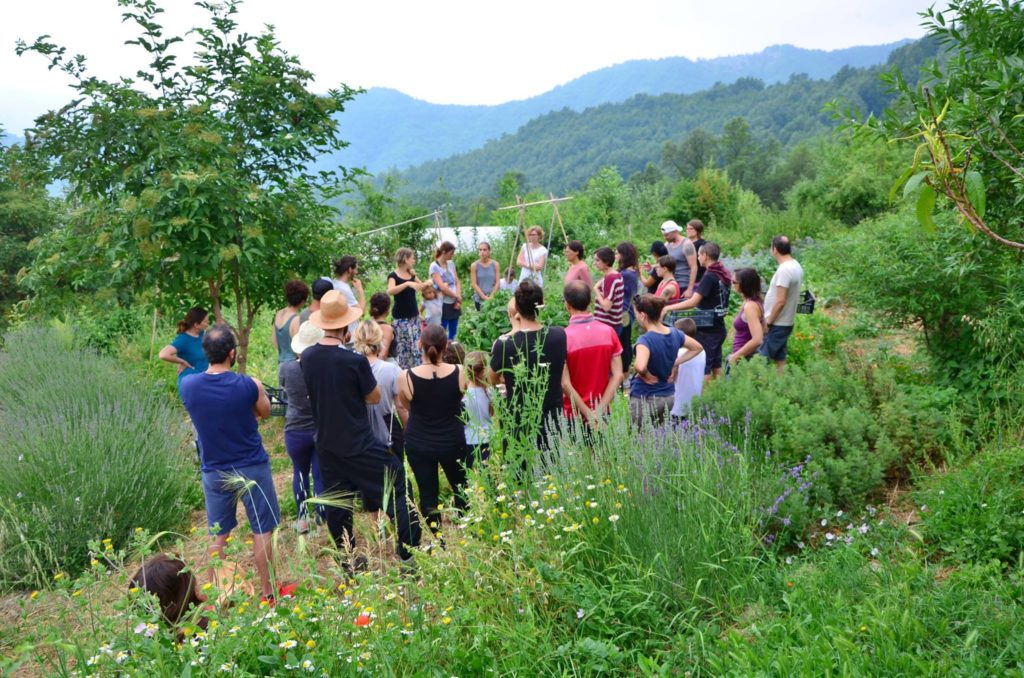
[806, 304]
[702, 318]
[278, 400]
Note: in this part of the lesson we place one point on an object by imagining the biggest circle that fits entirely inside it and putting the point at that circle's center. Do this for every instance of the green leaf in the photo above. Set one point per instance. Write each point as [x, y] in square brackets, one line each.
[899, 182]
[925, 207]
[975, 185]
[912, 183]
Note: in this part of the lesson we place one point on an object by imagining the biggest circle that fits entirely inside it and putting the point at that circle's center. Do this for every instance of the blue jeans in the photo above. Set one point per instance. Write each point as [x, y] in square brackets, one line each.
[301, 448]
[451, 326]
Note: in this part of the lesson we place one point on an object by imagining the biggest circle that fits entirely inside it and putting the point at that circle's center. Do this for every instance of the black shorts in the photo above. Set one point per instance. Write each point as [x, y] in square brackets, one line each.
[711, 339]
[774, 345]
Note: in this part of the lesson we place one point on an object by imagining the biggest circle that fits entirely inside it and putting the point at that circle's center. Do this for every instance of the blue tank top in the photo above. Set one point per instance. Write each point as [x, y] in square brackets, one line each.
[220, 406]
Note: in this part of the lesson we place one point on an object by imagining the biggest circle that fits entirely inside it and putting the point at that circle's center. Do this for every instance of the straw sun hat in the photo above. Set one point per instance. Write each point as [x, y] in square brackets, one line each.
[307, 335]
[335, 312]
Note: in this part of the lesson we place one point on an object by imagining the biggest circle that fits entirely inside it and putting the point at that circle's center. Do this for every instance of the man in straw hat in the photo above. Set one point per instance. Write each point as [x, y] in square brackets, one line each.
[340, 385]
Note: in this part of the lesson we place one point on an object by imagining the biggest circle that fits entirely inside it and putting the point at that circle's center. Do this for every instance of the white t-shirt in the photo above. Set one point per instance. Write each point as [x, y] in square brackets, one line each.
[531, 256]
[346, 291]
[789, 275]
[689, 382]
[478, 415]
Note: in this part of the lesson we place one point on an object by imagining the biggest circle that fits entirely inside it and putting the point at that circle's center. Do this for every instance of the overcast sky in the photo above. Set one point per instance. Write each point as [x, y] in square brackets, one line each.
[451, 51]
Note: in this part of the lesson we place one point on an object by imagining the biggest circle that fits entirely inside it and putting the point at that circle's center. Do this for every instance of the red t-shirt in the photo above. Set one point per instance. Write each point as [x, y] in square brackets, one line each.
[590, 346]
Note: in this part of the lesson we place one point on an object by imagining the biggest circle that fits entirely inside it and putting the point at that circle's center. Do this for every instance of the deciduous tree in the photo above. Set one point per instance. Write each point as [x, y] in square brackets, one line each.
[192, 179]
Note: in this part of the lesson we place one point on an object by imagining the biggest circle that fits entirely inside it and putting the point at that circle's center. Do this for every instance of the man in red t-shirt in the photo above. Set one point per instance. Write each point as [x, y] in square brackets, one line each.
[593, 357]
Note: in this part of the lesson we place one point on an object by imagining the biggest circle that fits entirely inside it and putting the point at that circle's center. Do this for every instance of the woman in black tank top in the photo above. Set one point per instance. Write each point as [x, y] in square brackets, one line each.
[435, 435]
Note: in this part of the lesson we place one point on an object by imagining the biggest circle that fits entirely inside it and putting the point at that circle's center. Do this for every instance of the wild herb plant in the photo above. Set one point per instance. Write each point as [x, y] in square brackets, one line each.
[89, 453]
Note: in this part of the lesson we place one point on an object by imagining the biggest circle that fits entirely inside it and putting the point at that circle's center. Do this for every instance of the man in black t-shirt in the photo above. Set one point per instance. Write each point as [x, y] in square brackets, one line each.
[711, 294]
[537, 348]
[340, 385]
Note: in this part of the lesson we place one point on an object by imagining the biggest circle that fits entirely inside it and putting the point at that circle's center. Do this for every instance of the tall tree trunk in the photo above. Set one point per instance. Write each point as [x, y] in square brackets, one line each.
[214, 286]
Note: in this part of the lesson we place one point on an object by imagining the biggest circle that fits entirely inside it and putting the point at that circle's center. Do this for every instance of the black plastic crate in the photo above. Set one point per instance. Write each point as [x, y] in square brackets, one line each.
[278, 400]
[806, 304]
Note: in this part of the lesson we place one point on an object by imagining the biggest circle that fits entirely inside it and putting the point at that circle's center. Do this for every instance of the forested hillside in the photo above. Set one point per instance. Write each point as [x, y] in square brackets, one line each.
[389, 129]
[559, 151]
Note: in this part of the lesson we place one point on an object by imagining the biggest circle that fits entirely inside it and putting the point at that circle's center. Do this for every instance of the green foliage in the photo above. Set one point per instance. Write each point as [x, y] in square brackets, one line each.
[561, 150]
[851, 176]
[820, 411]
[376, 207]
[202, 189]
[478, 331]
[844, 612]
[964, 117]
[708, 197]
[26, 213]
[967, 296]
[975, 513]
[89, 455]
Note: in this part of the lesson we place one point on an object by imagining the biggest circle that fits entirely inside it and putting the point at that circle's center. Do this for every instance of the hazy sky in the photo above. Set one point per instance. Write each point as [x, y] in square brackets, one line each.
[451, 51]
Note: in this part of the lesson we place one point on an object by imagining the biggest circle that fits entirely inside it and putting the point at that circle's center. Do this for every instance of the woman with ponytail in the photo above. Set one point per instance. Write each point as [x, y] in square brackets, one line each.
[435, 436]
[186, 351]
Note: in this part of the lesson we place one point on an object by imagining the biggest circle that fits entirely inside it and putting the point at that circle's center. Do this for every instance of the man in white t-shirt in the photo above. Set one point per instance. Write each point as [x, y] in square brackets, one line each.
[688, 369]
[781, 302]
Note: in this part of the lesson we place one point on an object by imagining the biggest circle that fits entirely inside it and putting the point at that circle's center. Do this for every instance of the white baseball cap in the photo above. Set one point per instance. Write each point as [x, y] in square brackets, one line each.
[670, 226]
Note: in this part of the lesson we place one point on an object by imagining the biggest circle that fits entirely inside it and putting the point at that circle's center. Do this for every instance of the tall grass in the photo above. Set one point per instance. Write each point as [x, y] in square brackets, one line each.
[687, 503]
[88, 453]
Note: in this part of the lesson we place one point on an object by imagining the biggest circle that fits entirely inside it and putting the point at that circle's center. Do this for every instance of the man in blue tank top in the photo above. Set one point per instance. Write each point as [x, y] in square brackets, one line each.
[224, 407]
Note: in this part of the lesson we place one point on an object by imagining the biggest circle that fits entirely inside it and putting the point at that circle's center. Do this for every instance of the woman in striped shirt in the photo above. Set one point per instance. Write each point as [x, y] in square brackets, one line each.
[609, 292]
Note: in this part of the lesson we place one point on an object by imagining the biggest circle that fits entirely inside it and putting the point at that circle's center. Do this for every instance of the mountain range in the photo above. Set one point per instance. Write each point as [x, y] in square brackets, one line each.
[559, 151]
[391, 130]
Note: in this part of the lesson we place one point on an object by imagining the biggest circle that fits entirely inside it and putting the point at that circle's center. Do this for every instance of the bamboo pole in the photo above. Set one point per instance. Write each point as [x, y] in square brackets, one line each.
[521, 226]
[554, 207]
[520, 205]
[400, 223]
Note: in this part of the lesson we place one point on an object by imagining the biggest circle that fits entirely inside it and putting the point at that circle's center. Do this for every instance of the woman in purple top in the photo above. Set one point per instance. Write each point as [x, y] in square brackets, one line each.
[749, 322]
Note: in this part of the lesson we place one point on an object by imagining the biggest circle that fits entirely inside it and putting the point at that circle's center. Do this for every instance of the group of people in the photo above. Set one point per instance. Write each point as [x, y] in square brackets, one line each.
[367, 392]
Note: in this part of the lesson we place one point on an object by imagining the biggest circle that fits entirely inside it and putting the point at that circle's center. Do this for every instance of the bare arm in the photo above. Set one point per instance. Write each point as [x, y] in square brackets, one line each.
[684, 305]
[692, 349]
[170, 354]
[360, 294]
[613, 385]
[262, 407]
[394, 288]
[643, 355]
[373, 397]
[385, 344]
[780, 303]
[574, 397]
[691, 261]
[473, 282]
[521, 259]
[752, 314]
[604, 302]
[442, 286]
[404, 396]
[273, 333]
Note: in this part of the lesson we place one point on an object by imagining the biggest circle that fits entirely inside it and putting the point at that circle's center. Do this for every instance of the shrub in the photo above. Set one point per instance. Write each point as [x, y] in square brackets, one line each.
[688, 500]
[976, 513]
[89, 454]
[819, 410]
